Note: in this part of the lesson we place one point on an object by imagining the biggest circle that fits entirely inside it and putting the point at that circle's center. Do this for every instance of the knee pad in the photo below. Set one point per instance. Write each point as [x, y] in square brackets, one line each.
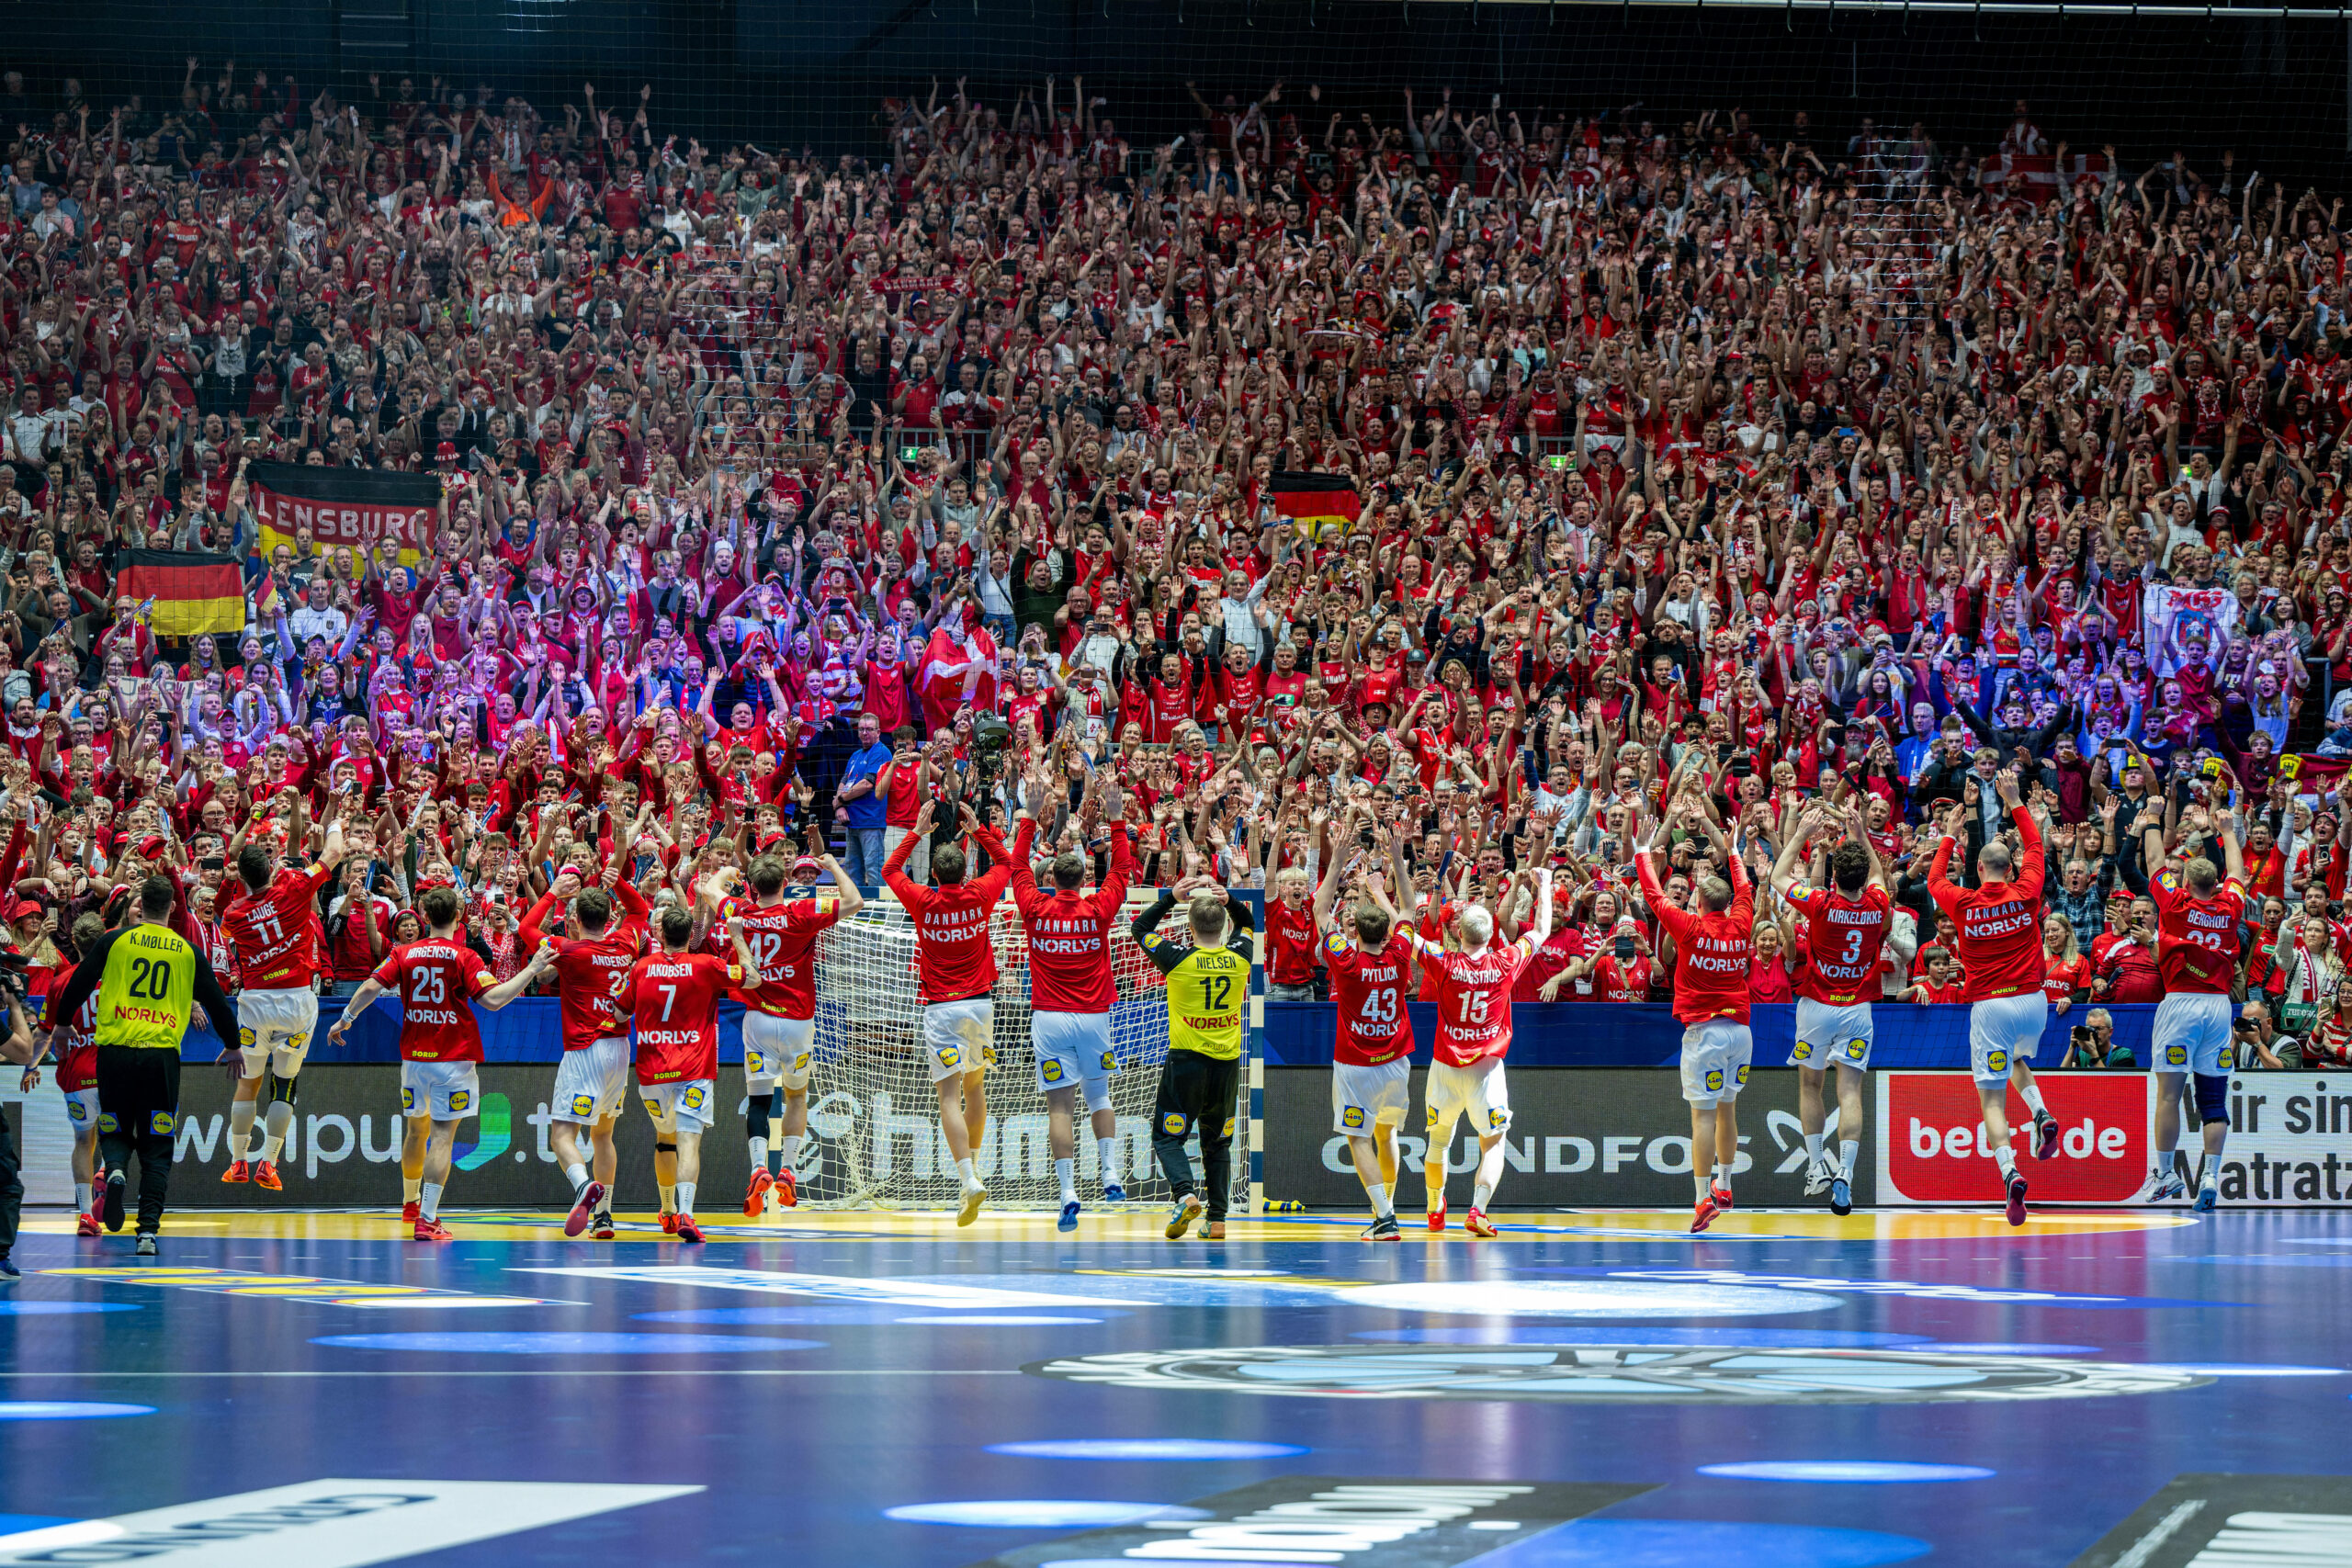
[662, 1148]
[755, 1116]
[2212, 1096]
[281, 1090]
[1098, 1095]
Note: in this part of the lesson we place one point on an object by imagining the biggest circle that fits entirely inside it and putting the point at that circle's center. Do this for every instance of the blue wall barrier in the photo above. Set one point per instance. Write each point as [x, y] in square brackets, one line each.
[1635, 1034]
[529, 1029]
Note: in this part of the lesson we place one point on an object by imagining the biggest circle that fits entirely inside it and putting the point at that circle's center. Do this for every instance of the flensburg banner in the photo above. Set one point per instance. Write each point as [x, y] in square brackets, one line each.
[344, 506]
[2290, 1143]
[1591, 1137]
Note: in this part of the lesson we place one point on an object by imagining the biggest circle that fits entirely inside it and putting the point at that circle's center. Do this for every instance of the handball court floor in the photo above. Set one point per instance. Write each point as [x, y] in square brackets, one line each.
[1789, 1390]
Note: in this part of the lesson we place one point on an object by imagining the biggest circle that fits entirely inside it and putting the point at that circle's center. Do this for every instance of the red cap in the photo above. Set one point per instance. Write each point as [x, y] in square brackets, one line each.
[446, 453]
[23, 909]
[151, 847]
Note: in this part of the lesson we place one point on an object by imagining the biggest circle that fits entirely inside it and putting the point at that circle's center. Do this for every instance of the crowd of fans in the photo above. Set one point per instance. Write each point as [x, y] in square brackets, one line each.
[771, 483]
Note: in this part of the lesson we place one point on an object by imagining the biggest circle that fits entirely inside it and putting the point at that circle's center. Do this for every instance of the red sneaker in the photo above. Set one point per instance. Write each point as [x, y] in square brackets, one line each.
[669, 1225]
[688, 1230]
[266, 1174]
[787, 1191]
[1720, 1196]
[1437, 1218]
[86, 1224]
[1705, 1214]
[432, 1230]
[1476, 1223]
[585, 1208]
[412, 1212]
[238, 1171]
[755, 1199]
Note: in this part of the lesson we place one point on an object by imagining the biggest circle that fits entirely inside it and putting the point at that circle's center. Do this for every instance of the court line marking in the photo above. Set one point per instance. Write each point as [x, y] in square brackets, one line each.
[2163, 1531]
[594, 1372]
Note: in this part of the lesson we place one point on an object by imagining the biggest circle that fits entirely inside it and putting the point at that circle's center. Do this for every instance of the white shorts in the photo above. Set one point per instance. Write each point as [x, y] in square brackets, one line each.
[589, 1082]
[960, 1036]
[777, 1051]
[1716, 1056]
[445, 1092]
[2003, 1031]
[683, 1107]
[1826, 1034]
[82, 1109]
[274, 1029]
[1362, 1097]
[2192, 1033]
[1476, 1091]
[1074, 1051]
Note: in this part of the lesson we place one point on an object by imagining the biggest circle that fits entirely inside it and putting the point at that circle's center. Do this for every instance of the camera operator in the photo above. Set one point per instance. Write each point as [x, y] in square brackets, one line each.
[20, 1049]
[2258, 1043]
[2093, 1043]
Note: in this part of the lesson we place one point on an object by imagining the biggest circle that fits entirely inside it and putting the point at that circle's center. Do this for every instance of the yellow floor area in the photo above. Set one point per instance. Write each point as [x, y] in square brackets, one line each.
[1813, 1224]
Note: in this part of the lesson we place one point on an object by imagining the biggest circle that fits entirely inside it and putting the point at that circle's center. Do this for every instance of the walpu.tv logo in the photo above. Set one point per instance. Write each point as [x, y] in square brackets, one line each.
[494, 1131]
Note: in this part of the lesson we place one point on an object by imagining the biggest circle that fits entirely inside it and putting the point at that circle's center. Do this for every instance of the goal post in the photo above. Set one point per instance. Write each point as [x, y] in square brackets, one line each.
[874, 1135]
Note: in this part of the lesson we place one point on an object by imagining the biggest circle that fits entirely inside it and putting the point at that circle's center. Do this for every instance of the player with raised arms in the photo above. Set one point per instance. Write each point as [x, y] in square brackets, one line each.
[1071, 991]
[77, 1080]
[271, 922]
[1714, 947]
[673, 995]
[1473, 986]
[1846, 919]
[1208, 1004]
[780, 931]
[2199, 913]
[440, 1042]
[1999, 926]
[604, 937]
[955, 980]
[1372, 1070]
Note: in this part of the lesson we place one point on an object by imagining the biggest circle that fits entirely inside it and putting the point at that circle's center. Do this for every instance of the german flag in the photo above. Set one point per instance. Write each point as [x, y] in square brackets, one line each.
[1322, 500]
[193, 593]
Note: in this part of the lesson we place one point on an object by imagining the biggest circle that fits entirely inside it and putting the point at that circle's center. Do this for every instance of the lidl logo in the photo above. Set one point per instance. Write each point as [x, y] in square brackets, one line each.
[494, 1131]
[1172, 1124]
[1352, 1117]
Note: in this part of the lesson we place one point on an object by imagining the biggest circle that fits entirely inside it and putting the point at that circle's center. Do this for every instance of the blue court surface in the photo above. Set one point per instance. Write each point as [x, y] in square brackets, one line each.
[1791, 1391]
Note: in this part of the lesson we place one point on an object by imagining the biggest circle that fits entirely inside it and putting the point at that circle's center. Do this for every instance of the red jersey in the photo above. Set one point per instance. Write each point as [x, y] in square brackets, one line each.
[591, 972]
[2000, 925]
[674, 998]
[1841, 942]
[953, 957]
[436, 978]
[77, 1054]
[783, 939]
[274, 934]
[1369, 990]
[1473, 1001]
[2062, 977]
[1290, 942]
[1069, 933]
[2196, 938]
[1711, 951]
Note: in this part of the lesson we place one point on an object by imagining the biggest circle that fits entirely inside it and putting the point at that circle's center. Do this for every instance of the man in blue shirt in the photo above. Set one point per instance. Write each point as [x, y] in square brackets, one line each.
[862, 801]
[1915, 749]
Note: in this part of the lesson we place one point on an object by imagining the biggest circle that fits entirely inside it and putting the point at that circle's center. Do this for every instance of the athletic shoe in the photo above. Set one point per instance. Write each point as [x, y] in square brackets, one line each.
[755, 1199]
[1704, 1215]
[1114, 1193]
[1383, 1229]
[1068, 1221]
[266, 1174]
[431, 1230]
[788, 1189]
[973, 1198]
[9, 1270]
[687, 1229]
[239, 1170]
[1720, 1195]
[583, 1207]
[412, 1212]
[1437, 1218]
[146, 1247]
[604, 1228]
[1841, 1196]
[1817, 1179]
[1476, 1223]
[2045, 1135]
[113, 1200]
[669, 1222]
[2016, 1198]
[2165, 1189]
[86, 1224]
[97, 1202]
[2208, 1196]
[1181, 1218]
[1213, 1231]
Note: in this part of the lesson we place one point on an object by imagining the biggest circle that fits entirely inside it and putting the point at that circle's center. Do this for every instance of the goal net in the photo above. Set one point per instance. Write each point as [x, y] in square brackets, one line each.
[874, 1140]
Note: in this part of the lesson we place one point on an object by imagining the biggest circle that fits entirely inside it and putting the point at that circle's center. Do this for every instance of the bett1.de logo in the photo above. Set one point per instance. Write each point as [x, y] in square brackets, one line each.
[1936, 1151]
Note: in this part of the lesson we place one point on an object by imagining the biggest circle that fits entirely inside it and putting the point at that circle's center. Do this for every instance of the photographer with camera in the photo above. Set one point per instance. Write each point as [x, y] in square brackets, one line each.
[2092, 1044]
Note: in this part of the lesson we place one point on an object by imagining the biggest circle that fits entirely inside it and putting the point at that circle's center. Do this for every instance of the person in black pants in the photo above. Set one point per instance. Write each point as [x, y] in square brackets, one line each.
[1208, 1006]
[20, 1049]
